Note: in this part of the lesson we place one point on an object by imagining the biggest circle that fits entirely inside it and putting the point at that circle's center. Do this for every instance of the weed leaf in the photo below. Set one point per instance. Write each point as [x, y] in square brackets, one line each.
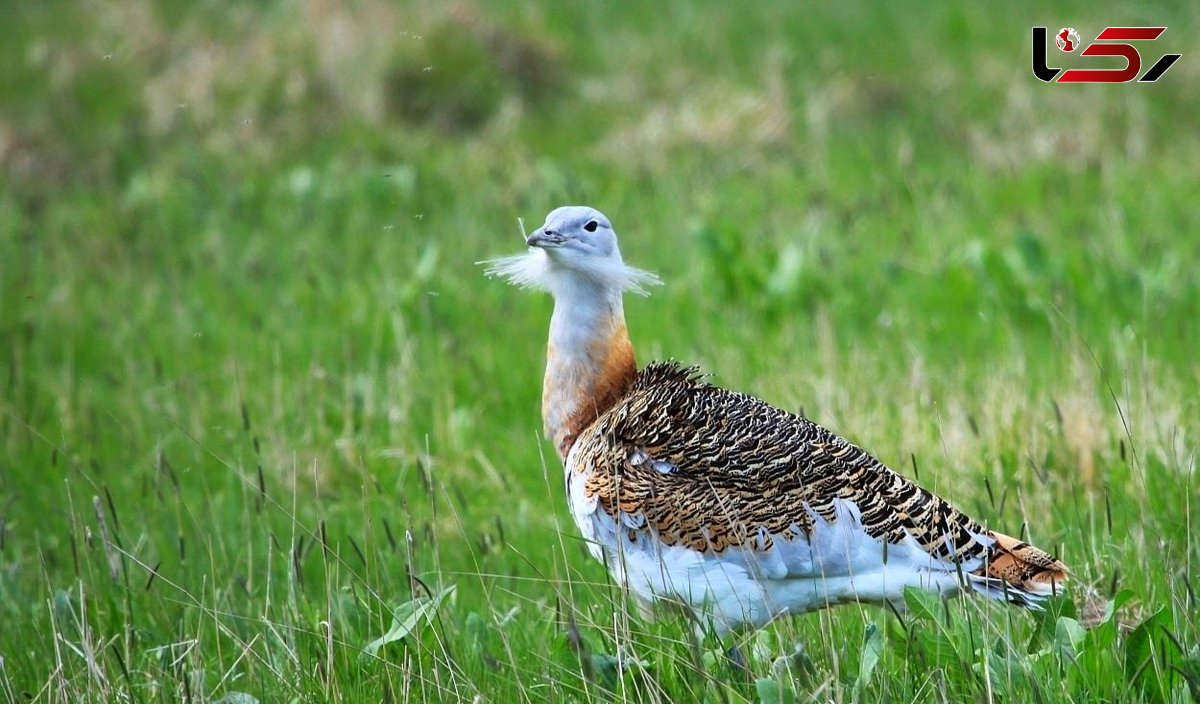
[872, 650]
[1144, 643]
[773, 691]
[407, 618]
[922, 604]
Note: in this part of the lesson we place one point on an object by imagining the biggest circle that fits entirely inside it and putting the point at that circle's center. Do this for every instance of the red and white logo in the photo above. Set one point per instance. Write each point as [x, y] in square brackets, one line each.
[1111, 42]
[1067, 39]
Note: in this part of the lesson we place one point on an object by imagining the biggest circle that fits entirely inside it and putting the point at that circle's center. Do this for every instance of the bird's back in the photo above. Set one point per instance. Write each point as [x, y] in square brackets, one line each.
[715, 498]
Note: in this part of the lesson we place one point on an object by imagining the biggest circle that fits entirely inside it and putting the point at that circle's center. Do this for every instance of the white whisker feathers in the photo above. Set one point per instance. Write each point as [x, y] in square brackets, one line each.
[532, 270]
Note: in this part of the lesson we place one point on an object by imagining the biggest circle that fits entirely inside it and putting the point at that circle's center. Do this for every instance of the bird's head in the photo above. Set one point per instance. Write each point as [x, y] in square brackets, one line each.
[577, 237]
[576, 247]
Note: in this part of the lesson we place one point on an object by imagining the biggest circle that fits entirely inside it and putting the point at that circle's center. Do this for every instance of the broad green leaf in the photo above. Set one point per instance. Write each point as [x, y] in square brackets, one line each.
[408, 617]
[1189, 668]
[1141, 647]
[938, 648]
[922, 604]
[872, 650]
[797, 665]
[762, 646]
[773, 691]
[1068, 635]
[1119, 600]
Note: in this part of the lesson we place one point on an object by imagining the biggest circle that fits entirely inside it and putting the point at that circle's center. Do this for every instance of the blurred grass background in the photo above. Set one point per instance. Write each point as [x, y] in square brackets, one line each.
[253, 381]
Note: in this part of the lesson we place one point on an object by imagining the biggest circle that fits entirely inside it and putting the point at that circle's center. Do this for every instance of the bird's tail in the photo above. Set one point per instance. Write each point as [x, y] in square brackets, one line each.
[1018, 572]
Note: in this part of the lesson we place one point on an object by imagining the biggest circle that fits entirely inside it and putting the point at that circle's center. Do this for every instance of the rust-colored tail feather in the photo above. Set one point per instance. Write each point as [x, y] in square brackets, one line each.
[1019, 572]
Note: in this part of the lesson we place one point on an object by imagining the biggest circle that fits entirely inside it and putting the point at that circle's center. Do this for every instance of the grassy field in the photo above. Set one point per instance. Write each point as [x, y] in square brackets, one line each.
[267, 433]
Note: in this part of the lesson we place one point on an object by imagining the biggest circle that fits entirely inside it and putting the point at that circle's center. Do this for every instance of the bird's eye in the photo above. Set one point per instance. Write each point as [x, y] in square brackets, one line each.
[591, 226]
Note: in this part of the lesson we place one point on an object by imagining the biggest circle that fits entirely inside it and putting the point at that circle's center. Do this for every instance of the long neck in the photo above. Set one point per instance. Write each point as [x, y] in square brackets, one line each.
[589, 362]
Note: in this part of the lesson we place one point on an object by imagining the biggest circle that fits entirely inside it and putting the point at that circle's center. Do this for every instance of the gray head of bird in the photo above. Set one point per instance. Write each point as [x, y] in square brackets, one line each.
[576, 248]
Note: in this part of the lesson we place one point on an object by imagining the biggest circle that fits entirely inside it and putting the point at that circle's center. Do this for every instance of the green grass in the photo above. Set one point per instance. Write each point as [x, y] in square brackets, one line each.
[256, 399]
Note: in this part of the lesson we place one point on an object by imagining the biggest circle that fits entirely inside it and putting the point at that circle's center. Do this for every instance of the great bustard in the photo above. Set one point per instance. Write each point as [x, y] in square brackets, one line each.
[696, 494]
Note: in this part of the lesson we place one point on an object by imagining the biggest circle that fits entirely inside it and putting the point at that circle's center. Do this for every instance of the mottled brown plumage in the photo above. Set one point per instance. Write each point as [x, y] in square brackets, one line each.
[743, 471]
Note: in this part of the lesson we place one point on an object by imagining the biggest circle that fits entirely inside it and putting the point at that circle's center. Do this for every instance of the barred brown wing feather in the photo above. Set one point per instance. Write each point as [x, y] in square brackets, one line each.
[742, 471]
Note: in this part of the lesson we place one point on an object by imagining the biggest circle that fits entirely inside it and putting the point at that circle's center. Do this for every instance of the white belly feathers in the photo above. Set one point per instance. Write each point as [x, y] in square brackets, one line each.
[836, 562]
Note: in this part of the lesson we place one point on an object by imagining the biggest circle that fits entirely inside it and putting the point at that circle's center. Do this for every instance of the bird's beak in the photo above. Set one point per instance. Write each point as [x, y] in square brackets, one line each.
[545, 238]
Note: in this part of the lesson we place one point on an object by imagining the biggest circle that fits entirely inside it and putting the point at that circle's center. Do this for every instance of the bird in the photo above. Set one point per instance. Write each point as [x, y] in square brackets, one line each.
[740, 511]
